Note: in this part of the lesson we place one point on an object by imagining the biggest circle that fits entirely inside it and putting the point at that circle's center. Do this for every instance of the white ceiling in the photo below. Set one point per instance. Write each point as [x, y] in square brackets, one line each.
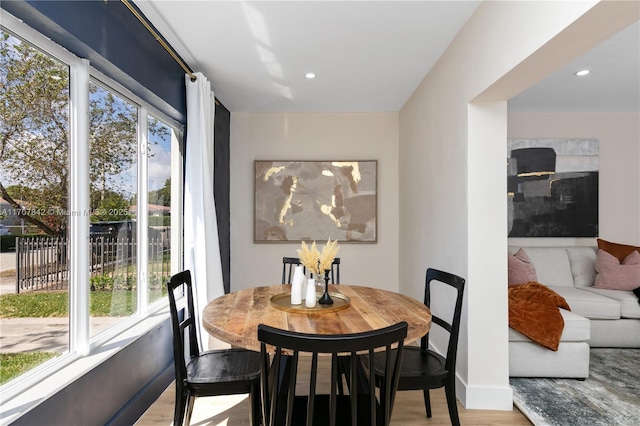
[612, 85]
[367, 55]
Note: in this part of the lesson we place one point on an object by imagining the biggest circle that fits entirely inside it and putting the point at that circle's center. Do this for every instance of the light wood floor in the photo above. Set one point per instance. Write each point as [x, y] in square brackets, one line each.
[408, 410]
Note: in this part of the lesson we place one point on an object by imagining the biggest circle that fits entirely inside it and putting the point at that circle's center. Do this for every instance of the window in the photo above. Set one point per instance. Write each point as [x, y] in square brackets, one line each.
[159, 209]
[34, 158]
[130, 154]
[113, 190]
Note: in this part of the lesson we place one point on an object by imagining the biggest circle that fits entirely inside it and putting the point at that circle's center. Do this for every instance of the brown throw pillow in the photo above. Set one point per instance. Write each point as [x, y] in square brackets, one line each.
[614, 275]
[618, 250]
[521, 270]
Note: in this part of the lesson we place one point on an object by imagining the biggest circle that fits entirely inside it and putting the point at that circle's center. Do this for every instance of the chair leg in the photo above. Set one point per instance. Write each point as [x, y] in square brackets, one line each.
[342, 372]
[427, 402]
[255, 409]
[181, 404]
[190, 401]
[450, 391]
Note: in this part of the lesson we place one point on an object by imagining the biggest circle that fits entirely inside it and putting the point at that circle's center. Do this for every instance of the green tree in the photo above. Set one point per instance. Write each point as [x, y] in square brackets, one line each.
[34, 112]
[162, 196]
[109, 206]
[113, 139]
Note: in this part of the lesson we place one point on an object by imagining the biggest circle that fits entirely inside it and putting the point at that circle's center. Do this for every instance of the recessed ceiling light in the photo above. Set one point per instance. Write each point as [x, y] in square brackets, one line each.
[310, 75]
[582, 72]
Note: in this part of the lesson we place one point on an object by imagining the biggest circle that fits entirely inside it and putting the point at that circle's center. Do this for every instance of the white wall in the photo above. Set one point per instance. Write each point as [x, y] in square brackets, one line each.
[453, 153]
[619, 188]
[314, 136]
[442, 180]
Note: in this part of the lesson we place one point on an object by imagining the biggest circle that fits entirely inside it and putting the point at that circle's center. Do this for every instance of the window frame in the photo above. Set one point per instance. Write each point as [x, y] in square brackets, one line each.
[81, 345]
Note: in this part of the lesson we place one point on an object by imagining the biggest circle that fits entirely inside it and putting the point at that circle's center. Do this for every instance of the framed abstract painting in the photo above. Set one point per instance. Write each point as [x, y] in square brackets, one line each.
[552, 187]
[315, 200]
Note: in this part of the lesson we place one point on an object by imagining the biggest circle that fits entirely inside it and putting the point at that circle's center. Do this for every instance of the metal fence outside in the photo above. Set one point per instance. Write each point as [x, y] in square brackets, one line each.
[42, 262]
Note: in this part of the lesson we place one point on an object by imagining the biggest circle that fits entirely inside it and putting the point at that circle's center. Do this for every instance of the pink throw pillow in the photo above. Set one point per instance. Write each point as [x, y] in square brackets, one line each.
[521, 270]
[614, 275]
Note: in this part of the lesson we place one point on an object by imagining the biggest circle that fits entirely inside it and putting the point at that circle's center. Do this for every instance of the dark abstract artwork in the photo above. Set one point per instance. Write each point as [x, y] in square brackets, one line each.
[315, 201]
[552, 187]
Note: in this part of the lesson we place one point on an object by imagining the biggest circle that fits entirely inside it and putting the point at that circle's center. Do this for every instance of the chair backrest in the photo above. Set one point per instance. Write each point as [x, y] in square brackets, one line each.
[188, 323]
[452, 326]
[334, 344]
[335, 271]
[288, 264]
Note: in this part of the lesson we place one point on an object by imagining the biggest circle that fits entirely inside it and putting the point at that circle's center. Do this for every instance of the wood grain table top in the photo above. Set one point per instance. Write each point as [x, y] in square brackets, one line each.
[234, 317]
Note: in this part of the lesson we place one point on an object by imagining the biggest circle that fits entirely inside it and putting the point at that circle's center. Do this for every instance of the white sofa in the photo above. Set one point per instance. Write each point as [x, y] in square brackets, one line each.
[598, 317]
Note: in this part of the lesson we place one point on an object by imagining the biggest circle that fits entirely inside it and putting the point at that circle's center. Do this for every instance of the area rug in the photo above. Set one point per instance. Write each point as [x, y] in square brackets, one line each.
[610, 396]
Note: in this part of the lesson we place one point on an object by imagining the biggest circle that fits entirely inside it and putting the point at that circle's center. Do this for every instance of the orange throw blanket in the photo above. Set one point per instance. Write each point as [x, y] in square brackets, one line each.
[533, 311]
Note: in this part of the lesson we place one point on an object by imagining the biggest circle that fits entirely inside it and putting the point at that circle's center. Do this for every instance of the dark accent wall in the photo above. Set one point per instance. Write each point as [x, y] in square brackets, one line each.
[112, 392]
[221, 185]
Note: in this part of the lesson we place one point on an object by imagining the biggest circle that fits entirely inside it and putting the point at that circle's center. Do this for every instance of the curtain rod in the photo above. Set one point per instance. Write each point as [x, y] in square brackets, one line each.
[159, 39]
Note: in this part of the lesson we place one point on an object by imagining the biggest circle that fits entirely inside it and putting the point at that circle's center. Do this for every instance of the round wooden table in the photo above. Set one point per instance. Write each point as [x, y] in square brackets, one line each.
[234, 317]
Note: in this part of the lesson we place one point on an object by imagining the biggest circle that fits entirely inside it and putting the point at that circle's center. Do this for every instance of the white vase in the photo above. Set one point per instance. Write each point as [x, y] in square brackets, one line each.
[310, 298]
[297, 285]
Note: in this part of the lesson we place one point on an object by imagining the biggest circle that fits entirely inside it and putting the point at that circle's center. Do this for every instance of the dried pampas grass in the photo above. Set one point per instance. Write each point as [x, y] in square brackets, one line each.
[329, 252]
[309, 257]
[315, 261]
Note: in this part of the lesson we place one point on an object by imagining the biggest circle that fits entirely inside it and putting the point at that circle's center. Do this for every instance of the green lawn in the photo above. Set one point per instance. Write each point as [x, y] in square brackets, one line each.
[14, 364]
[56, 304]
[116, 303]
[53, 304]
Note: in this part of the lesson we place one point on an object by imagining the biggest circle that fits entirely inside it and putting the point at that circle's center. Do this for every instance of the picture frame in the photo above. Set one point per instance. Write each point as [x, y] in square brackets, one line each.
[552, 187]
[315, 201]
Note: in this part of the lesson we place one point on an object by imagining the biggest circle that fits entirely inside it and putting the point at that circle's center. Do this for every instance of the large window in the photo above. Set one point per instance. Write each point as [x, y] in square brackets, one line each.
[34, 163]
[85, 180]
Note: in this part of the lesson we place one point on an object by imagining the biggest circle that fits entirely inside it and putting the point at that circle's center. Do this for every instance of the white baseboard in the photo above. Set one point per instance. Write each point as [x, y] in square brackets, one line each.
[484, 397]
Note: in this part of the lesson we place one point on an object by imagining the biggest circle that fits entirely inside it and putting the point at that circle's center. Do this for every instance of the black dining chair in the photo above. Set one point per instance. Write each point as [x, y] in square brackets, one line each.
[335, 271]
[211, 373]
[288, 263]
[281, 405]
[423, 368]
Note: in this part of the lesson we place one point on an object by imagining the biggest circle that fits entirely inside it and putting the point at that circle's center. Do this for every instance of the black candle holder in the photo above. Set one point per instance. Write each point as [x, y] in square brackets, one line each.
[326, 299]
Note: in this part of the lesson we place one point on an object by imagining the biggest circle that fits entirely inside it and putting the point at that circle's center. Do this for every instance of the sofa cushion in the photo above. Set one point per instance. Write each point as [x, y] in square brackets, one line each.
[528, 359]
[520, 268]
[583, 260]
[623, 333]
[614, 275]
[552, 266]
[629, 307]
[589, 304]
[576, 329]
